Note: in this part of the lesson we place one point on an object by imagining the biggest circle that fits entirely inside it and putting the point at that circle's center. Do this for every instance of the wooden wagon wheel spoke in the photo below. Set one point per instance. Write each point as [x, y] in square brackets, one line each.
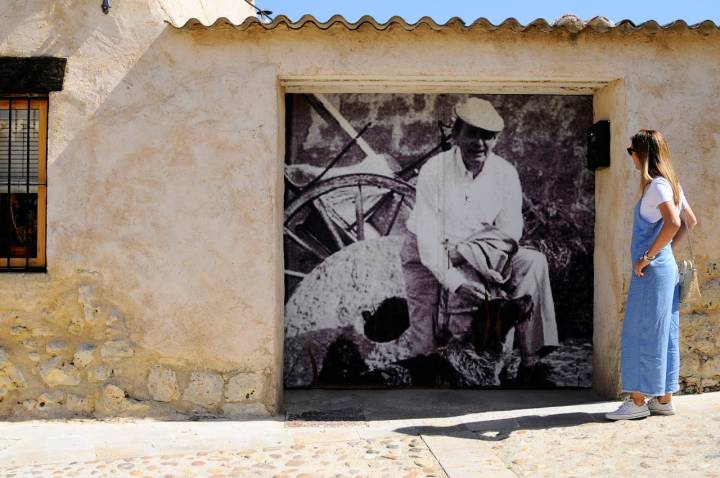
[304, 244]
[395, 213]
[299, 275]
[372, 210]
[331, 225]
[359, 214]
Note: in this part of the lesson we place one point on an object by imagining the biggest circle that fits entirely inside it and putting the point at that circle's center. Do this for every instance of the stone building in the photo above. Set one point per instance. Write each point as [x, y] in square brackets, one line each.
[160, 292]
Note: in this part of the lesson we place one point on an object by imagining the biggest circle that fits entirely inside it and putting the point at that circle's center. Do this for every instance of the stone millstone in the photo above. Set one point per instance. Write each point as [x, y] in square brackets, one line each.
[336, 299]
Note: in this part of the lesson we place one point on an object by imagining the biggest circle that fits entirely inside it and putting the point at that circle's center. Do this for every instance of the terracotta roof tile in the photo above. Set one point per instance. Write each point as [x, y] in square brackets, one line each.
[570, 23]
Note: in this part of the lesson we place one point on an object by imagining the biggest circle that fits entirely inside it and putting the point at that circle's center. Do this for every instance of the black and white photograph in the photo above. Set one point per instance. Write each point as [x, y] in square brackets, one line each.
[438, 240]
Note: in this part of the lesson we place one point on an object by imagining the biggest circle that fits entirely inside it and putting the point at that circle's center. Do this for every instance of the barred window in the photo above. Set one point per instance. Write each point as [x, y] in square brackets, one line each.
[23, 185]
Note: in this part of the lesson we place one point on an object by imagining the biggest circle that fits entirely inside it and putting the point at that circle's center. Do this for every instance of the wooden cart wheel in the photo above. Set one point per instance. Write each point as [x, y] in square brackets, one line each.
[339, 211]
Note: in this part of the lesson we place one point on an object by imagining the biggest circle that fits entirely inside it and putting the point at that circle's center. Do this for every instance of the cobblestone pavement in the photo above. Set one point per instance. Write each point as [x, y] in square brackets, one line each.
[492, 437]
[581, 445]
[683, 446]
[407, 457]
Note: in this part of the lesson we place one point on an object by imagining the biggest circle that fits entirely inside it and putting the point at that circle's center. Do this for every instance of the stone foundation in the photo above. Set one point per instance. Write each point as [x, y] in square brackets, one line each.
[700, 334]
[73, 356]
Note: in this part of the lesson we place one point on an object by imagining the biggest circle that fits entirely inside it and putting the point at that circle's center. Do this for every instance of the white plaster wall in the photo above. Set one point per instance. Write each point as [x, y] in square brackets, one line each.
[165, 156]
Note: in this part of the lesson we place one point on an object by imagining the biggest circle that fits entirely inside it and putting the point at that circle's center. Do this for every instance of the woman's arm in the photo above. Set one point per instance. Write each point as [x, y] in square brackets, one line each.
[671, 217]
[672, 223]
[687, 216]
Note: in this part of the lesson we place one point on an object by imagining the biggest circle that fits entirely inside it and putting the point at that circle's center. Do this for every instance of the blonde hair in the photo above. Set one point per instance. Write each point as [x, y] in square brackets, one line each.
[652, 150]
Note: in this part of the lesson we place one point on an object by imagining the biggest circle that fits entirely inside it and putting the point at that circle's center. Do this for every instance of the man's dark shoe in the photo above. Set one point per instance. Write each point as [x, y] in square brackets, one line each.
[536, 376]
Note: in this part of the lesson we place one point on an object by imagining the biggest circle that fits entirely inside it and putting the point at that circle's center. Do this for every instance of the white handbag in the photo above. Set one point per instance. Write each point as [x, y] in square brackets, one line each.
[689, 287]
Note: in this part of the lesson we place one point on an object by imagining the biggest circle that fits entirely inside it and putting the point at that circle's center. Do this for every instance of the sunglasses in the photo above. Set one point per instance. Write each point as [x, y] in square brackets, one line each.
[630, 151]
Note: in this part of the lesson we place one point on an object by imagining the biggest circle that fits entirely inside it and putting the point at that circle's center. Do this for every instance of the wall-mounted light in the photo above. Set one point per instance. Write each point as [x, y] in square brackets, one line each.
[106, 6]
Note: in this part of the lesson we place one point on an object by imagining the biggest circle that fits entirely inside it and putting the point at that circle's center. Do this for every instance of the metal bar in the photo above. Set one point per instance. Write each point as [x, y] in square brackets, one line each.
[341, 121]
[359, 215]
[417, 164]
[9, 178]
[27, 184]
[395, 215]
[336, 158]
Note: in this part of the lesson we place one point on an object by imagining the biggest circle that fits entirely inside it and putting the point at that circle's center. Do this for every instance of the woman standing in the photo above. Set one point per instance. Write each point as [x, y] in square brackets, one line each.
[650, 359]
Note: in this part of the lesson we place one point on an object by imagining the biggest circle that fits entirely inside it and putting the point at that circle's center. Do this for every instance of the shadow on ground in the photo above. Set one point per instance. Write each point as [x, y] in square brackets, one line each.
[398, 404]
[498, 430]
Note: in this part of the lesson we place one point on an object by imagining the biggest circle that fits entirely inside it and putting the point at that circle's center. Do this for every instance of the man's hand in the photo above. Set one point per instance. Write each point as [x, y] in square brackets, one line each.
[494, 275]
[473, 291]
[455, 257]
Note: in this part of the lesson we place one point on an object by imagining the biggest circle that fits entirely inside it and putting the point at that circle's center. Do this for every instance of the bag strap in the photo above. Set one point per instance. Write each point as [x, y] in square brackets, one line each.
[687, 232]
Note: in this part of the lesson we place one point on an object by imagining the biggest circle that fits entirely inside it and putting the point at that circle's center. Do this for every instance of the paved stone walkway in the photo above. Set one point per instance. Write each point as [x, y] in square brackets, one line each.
[419, 434]
[395, 457]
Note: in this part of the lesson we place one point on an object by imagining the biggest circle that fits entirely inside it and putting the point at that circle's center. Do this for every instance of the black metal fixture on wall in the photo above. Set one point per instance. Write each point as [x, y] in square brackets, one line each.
[598, 145]
[106, 6]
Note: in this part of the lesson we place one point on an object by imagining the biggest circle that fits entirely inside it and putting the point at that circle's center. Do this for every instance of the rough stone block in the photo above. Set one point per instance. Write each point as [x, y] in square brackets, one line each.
[245, 387]
[204, 389]
[91, 314]
[116, 326]
[86, 294]
[78, 404]
[56, 347]
[84, 355]
[702, 333]
[56, 397]
[42, 332]
[116, 350]
[690, 364]
[711, 368]
[239, 410]
[56, 372]
[162, 384]
[77, 325]
[10, 376]
[99, 373]
[10, 382]
[29, 344]
[30, 405]
[20, 331]
[113, 398]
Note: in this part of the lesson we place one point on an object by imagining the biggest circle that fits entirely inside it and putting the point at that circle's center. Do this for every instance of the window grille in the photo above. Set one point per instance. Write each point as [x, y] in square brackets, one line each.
[23, 185]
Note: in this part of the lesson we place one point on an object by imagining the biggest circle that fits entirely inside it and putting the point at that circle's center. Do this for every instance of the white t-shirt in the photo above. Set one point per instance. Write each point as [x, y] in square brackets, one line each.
[656, 193]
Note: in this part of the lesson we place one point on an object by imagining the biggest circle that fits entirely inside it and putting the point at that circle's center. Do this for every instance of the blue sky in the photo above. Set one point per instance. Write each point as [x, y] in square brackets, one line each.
[638, 11]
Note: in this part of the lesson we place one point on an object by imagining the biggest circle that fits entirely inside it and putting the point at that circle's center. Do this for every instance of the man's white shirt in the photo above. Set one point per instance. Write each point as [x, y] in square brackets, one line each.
[451, 205]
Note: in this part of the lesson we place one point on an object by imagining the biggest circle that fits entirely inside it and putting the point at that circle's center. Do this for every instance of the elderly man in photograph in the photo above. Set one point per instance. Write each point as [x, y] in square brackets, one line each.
[463, 238]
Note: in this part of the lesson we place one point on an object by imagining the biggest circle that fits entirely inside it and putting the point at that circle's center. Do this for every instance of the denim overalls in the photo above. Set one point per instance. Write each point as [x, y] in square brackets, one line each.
[650, 356]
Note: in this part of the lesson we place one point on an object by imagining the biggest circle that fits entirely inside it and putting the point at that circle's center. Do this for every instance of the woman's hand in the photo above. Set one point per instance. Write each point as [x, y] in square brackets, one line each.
[639, 266]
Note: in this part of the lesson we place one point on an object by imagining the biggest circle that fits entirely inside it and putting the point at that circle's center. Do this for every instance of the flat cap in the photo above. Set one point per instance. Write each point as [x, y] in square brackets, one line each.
[479, 113]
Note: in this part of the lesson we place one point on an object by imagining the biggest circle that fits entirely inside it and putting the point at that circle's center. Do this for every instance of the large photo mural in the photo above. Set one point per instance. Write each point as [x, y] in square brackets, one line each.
[438, 240]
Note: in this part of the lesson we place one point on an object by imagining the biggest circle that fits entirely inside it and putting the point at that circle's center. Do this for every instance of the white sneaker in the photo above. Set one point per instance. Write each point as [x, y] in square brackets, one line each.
[629, 411]
[657, 408]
